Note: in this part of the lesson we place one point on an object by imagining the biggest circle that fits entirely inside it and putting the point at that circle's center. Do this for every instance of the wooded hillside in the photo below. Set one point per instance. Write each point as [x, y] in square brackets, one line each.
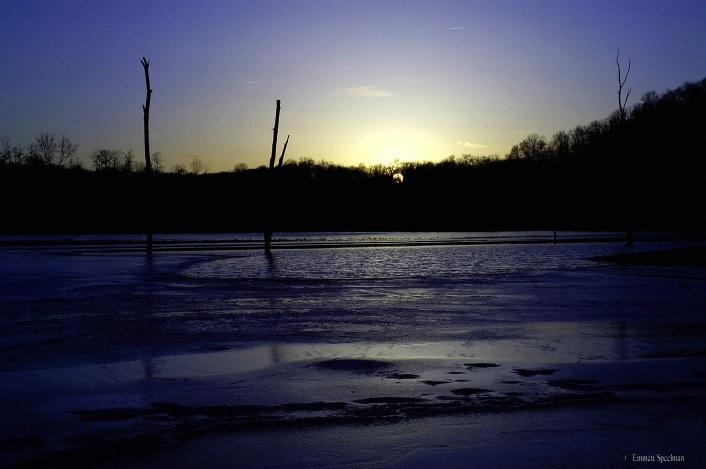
[642, 172]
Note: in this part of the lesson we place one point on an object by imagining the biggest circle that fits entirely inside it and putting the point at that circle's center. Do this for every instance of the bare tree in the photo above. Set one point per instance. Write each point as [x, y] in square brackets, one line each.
[621, 83]
[273, 155]
[5, 150]
[533, 147]
[157, 163]
[196, 166]
[148, 163]
[146, 113]
[180, 169]
[45, 148]
[19, 155]
[560, 145]
[103, 159]
[621, 147]
[66, 150]
[514, 153]
[129, 161]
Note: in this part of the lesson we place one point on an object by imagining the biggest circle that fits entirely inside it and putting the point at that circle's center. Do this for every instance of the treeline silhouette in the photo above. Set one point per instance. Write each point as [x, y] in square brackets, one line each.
[642, 172]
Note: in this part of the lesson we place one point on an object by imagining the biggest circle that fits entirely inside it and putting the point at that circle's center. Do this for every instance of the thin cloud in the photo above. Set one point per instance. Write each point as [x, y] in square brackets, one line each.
[471, 145]
[364, 91]
[250, 82]
[459, 27]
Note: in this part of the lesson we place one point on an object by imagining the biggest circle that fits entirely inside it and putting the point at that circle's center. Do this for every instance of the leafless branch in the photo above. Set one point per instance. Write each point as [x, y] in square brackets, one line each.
[621, 83]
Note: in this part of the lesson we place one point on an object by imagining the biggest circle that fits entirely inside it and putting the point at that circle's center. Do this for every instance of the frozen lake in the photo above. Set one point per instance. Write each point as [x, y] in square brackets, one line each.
[70, 302]
[85, 320]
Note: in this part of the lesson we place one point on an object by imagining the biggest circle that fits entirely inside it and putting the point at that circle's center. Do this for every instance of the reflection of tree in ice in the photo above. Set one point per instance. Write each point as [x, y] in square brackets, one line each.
[271, 261]
[149, 368]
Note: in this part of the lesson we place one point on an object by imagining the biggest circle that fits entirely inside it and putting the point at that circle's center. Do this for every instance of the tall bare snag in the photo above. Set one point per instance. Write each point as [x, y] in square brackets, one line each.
[268, 222]
[621, 83]
[622, 111]
[148, 162]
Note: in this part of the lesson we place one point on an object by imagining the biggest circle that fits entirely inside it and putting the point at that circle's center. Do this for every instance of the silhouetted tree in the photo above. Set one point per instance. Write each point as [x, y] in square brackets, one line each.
[579, 141]
[621, 147]
[46, 150]
[129, 161]
[284, 149]
[157, 162]
[180, 169]
[67, 150]
[273, 155]
[19, 154]
[240, 167]
[5, 150]
[148, 163]
[197, 167]
[146, 114]
[621, 83]
[533, 148]
[43, 149]
[104, 160]
[514, 153]
[560, 145]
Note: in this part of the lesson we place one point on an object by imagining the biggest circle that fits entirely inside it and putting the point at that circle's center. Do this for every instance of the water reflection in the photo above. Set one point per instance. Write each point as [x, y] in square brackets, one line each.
[621, 347]
[271, 266]
[545, 343]
[539, 343]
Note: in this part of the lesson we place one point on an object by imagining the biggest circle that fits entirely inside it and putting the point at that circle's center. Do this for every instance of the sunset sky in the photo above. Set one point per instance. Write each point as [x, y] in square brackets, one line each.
[360, 81]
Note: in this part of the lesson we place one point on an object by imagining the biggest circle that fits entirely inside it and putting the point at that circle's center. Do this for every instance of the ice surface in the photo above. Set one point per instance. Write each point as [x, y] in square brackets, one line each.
[101, 341]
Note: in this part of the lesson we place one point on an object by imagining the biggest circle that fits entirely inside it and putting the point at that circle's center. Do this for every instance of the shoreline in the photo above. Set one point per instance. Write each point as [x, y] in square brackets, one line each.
[384, 239]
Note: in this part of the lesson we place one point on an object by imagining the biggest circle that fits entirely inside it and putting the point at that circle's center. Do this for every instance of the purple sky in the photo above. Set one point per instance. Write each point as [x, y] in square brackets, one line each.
[360, 81]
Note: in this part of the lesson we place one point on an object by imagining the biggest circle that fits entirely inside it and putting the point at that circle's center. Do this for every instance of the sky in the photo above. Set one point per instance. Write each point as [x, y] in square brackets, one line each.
[359, 81]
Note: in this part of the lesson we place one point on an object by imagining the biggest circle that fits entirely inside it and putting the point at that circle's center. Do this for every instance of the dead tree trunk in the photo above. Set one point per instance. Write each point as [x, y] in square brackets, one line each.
[622, 145]
[284, 149]
[271, 183]
[268, 222]
[148, 162]
[274, 137]
[621, 82]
